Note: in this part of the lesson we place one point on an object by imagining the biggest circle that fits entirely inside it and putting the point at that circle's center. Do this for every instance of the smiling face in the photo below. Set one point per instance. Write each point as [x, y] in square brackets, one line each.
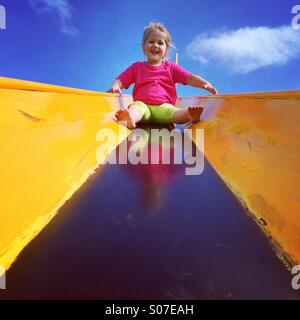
[155, 48]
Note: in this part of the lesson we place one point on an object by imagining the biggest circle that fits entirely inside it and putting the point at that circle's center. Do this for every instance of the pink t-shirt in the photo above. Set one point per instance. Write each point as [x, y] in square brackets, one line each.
[154, 85]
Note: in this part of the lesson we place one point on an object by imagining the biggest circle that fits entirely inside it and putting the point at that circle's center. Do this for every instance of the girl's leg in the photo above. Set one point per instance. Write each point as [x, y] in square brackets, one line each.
[192, 113]
[132, 115]
[129, 117]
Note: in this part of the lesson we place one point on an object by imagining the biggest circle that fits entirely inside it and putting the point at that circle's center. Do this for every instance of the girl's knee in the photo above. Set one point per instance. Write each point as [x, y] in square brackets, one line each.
[142, 108]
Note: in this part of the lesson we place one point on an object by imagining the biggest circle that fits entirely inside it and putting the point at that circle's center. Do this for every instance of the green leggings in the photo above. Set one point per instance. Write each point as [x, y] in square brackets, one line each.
[162, 114]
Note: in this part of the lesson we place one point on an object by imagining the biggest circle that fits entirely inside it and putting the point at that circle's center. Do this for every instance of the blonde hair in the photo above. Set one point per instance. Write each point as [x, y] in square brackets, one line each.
[156, 27]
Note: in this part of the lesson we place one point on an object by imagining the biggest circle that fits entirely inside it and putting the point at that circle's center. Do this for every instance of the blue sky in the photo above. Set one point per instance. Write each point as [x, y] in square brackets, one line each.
[239, 46]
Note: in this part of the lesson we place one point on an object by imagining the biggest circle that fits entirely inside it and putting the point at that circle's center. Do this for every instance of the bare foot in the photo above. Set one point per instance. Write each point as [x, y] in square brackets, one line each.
[123, 116]
[195, 113]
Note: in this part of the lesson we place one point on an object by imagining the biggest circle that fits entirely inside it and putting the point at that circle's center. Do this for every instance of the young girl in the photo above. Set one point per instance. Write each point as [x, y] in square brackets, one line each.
[154, 93]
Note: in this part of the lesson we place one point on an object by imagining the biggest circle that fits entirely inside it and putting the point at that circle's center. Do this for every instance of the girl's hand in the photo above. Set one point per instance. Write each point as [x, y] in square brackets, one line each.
[210, 88]
[115, 91]
[115, 88]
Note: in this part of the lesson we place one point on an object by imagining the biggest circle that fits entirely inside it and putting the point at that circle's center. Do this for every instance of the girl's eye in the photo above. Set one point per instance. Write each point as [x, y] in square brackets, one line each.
[160, 43]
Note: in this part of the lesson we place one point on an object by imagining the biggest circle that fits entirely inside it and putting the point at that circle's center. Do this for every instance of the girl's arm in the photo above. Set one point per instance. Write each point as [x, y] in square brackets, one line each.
[116, 87]
[198, 82]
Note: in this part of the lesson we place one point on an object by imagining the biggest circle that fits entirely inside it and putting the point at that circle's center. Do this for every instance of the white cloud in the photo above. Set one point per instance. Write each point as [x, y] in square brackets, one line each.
[62, 9]
[246, 49]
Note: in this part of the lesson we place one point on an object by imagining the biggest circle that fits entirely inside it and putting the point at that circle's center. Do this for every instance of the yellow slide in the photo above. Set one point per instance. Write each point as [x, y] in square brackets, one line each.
[253, 142]
[49, 144]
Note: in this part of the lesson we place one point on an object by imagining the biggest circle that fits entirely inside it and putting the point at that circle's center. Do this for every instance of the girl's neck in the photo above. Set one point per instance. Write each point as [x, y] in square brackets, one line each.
[154, 63]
